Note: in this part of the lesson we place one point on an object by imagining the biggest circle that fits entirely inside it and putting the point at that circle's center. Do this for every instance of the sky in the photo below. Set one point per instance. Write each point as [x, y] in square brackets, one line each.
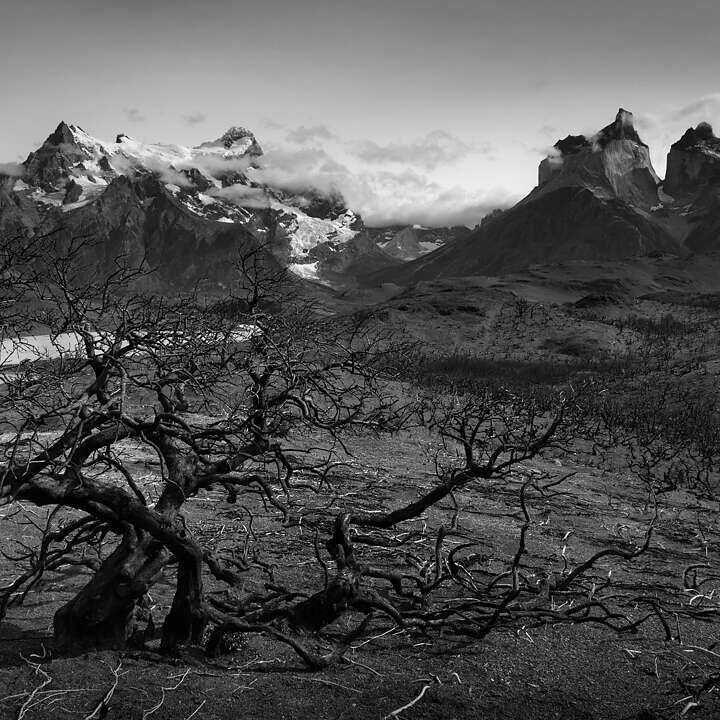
[418, 111]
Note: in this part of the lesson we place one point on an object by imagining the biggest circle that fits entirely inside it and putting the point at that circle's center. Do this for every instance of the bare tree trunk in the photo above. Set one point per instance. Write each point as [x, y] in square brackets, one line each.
[102, 615]
[328, 605]
[184, 623]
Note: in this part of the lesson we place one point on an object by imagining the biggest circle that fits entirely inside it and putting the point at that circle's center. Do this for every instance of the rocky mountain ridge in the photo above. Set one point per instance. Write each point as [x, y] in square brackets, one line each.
[614, 163]
[693, 162]
[598, 199]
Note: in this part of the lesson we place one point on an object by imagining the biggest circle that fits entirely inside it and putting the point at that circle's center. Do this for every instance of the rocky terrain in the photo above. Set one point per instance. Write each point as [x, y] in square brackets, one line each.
[551, 326]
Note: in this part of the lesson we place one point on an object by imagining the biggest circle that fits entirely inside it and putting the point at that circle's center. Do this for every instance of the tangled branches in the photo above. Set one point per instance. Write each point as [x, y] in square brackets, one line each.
[155, 417]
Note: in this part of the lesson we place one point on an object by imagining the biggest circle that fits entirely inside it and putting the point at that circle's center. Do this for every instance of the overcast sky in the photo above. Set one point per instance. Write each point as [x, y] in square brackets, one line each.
[438, 109]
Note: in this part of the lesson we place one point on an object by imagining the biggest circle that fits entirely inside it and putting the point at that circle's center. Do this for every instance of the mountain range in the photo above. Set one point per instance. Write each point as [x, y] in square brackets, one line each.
[184, 209]
[187, 210]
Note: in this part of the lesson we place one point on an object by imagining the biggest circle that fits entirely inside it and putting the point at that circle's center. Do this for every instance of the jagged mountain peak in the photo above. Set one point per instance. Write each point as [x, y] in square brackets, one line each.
[67, 135]
[597, 199]
[237, 139]
[70, 154]
[63, 134]
[613, 163]
[234, 133]
[622, 128]
[66, 148]
[572, 144]
[693, 162]
[702, 134]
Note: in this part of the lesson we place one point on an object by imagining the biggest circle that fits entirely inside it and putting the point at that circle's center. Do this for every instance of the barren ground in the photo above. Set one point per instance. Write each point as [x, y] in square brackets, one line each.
[535, 673]
[561, 672]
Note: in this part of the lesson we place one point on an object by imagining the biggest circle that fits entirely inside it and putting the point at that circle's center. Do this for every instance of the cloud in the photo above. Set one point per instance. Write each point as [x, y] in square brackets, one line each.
[216, 165]
[210, 164]
[161, 168]
[11, 169]
[272, 124]
[134, 115]
[553, 156]
[538, 84]
[647, 122]
[549, 131]
[404, 199]
[382, 196]
[707, 106]
[298, 170]
[242, 195]
[303, 135]
[194, 118]
[173, 177]
[435, 149]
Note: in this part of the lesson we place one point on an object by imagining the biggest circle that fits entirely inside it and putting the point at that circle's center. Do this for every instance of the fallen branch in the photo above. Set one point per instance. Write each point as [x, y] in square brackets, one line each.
[397, 712]
[101, 709]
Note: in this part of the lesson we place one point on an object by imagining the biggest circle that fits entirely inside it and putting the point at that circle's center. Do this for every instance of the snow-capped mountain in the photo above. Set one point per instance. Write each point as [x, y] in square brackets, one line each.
[410, 242]
[214, 182]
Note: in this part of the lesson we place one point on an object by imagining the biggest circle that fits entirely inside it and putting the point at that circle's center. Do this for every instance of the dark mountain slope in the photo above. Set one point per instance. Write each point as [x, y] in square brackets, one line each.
[568, 223]
[139, 222]
[693, 180]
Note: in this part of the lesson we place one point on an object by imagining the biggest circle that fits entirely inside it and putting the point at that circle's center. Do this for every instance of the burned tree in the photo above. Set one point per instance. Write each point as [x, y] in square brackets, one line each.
[251, 398]
[211, 388]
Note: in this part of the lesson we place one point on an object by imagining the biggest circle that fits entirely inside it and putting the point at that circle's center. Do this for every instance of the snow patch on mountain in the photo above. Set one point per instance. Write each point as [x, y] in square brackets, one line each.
[306, 232]
[307, 271]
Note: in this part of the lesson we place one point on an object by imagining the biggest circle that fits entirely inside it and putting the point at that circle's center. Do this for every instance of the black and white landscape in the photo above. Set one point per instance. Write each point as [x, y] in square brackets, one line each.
[360, 361]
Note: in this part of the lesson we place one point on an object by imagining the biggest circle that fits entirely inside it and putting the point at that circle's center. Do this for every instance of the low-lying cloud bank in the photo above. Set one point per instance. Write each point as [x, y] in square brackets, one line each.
[442, 209]
[213, 165]
[11, 169]
[390, 184]
[242, 195]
